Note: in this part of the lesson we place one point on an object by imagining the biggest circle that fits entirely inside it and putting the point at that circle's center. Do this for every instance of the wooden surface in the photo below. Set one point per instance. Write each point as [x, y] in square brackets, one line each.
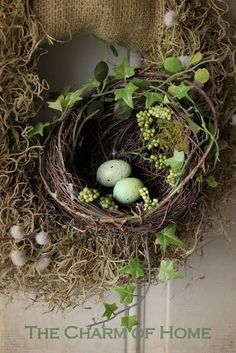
[205, 298]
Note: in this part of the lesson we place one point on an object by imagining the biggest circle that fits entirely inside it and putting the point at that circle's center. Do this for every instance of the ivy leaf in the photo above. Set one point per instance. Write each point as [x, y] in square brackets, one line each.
[172, 90]
[152, 97]
[141, 83]
[173, 65]
[74, 97]
[195, 128]
[126, 94]
[167, 271]
[126, 293]
[106, 45]
[101, 71]
[69, 98]
[122, 110]
[114, 50]
[202, 75]
[196, 59]
[109, 310]
[182, 90]
[211, 128]
[124, 70]
[176, 162]
[38, 129]
[91, 83]
[168, 237]
[166, 100]
[57, 104]
[134, 268]
[129, 322]
[94, 106]
[211, 181]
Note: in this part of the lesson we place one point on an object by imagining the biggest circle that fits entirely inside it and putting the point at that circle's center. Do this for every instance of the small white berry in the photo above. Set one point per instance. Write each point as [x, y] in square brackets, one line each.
[18, 258]
[17, 232]
[171, 18]
[42, 238]
[43, 263]
[185, 59]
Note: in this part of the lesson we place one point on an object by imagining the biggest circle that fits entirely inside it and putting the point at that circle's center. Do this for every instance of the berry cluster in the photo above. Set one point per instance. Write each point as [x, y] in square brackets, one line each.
[172, 178]
[161, 112]
[148, 203]
[147, 122]
[108, 203]
[88, 195]
[158, 161]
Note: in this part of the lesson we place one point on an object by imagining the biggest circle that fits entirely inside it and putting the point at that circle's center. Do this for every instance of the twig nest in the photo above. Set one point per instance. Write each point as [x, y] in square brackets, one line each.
[42, 238]
[127, 190]
[110, 172]
[42, 263]
[163, 137]
[17, 232]
[171, 18]
[18, 258]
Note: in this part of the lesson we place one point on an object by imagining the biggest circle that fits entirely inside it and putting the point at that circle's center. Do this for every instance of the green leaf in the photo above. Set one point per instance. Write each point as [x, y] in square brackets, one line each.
[202, 75]
[101, 71]
[106, 45]
[91, 83]
[173, 65]
[94, 106]
[38, 129]
[124, 70]
[211, 128]
[192, 125]
[57, 104]
[167, 271]
[172, 90]
[141, 83]
[196, 59]
[166, 100]
[126, 94]
[122, 110]
[211, 181]
[114, 50]
[134, 268]
[109, 310]
[126, 293]
[168, 237]
[129, 322]
[152, 97]
[182, 90]
[74, 97]
[176, 162]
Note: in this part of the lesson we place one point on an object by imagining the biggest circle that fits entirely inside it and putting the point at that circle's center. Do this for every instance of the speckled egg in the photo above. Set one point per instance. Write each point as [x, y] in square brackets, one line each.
[126, 190]
[110, 172]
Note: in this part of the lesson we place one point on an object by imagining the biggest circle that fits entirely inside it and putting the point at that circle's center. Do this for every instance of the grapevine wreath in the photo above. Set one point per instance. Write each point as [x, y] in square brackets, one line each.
[165, 128]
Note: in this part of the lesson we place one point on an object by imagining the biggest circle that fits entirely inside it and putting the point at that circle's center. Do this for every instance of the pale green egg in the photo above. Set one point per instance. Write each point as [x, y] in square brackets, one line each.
[127, 191]
[110, 172]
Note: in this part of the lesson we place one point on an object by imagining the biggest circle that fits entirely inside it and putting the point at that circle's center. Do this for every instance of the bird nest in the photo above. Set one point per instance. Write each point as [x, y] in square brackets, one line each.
[81, 142]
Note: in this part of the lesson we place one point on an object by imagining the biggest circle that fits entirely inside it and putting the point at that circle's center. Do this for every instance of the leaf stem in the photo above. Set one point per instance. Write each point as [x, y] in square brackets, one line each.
[141, 298]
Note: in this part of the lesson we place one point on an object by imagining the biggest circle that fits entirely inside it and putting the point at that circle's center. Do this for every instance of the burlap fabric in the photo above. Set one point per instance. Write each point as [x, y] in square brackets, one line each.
[133, 23]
